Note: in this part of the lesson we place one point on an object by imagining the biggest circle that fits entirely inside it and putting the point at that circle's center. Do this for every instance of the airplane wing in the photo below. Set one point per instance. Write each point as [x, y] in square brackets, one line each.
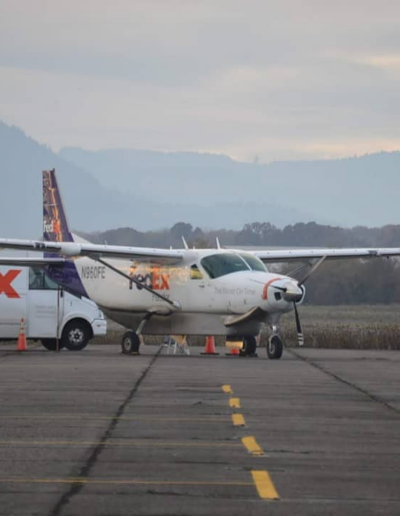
[286, 255]
[31, 262]
[74, 249]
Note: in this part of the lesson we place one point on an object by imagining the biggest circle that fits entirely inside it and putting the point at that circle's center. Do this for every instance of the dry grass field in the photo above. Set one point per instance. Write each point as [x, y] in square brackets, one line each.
[346, 327]
[340, 327]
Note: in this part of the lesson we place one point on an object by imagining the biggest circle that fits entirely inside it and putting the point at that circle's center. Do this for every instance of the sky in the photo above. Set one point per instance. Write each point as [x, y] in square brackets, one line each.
[254, 79]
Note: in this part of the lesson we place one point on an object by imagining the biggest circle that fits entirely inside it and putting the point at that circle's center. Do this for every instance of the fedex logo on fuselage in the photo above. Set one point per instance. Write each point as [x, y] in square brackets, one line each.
[52, 227]
[153, 279]
[5, 284]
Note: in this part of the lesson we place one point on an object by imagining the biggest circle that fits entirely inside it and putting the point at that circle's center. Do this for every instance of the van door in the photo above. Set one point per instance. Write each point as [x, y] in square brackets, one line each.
[45, 305]
[13, 292]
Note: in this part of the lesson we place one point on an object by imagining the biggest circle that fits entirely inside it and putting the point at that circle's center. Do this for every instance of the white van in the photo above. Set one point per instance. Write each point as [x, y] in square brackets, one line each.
[52, 315]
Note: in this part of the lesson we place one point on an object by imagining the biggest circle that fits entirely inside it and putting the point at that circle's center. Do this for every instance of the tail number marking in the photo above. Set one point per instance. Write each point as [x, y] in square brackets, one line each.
[94, 272]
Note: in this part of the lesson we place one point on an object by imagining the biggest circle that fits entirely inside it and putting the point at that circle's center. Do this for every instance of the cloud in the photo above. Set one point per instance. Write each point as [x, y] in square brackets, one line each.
[274, 79]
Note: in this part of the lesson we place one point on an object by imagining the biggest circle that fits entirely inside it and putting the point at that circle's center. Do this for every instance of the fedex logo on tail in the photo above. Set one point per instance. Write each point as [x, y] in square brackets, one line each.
[5, 284]
[53, 226]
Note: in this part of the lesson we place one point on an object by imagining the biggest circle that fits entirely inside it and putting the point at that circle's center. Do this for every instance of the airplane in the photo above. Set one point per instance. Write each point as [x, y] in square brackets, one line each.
[184, 291]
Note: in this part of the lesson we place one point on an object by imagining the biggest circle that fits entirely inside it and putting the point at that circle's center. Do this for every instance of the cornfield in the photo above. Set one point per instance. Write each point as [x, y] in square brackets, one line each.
[334, 327]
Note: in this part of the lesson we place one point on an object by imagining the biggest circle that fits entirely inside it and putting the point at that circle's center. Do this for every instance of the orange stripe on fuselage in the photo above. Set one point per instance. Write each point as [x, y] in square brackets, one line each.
[265, 289]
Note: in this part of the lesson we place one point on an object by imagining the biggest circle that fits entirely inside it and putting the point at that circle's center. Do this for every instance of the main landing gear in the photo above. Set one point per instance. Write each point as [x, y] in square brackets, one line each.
[131, 340]
[249, 347]
[130, 343]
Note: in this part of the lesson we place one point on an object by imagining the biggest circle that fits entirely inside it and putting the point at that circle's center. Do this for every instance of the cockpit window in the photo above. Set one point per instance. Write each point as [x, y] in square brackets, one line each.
[253, 262]
[221, 264]
[195, 273]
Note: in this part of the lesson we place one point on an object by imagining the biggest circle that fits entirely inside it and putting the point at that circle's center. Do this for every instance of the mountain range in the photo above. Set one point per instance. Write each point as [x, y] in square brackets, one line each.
[148, 189]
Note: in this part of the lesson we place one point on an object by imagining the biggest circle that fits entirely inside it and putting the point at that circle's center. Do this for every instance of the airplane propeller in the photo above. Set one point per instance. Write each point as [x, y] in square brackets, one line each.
[295, 297]
[300, 336]
[293, 292]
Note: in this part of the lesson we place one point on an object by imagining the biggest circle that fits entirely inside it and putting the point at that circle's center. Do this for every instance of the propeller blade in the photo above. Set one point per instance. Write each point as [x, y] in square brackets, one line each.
[282, 289]
[300, 337]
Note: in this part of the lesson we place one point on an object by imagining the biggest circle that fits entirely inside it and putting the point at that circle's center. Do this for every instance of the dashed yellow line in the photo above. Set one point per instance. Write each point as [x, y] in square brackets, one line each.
[252, 446]
[238, 420]
[265, 487]
[234, 402]
[227, 389]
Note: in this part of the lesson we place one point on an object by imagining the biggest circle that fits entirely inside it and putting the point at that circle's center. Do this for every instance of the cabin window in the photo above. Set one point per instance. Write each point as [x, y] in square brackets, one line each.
[38, 280]
[253, 262]
[221, 264]
[195, 273]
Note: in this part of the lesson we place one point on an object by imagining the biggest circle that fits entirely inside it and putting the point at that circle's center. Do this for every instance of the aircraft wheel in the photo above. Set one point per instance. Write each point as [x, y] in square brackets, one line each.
[130, 343]
[51, 344]
[249, 347]
[275, 347]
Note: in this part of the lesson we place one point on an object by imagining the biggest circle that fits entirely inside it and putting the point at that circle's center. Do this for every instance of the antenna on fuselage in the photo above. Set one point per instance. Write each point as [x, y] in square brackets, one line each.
[218, 244]
[184, 242]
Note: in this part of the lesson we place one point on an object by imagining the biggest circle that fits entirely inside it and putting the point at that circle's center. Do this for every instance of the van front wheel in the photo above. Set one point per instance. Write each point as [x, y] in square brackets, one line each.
[76, 335]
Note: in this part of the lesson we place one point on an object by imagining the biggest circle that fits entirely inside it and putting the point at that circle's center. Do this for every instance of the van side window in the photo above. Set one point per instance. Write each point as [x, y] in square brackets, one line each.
[38, 280]
[195, 272]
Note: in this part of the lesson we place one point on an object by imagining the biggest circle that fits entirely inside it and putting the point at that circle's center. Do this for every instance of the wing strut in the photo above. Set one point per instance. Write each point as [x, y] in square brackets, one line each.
[141, 285]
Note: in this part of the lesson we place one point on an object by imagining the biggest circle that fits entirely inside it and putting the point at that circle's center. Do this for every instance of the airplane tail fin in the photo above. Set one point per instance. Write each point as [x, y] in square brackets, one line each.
[56, 229]
[55, 224]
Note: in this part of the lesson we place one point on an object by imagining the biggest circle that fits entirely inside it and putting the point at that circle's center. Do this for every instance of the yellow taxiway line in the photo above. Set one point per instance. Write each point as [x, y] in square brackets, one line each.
[234, 402]
[252, 446]
[227, 389]
[265, 487]
[238, 420]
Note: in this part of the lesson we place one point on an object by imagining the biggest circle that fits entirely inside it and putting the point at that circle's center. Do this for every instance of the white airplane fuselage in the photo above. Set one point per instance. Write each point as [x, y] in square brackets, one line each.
[196, 295]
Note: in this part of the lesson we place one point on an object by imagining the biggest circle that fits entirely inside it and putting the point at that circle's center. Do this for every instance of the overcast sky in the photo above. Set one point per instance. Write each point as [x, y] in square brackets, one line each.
[282, 79]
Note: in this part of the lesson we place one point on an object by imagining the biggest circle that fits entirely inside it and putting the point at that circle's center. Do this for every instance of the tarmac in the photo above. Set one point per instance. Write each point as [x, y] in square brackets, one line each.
[100, 433]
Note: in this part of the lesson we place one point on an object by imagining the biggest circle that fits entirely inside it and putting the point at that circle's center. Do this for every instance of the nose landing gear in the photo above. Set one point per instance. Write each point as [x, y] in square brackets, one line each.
[275, 344]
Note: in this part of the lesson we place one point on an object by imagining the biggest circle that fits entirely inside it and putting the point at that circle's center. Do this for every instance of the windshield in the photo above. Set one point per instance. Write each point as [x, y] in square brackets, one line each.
[221, 264]
[253, 262]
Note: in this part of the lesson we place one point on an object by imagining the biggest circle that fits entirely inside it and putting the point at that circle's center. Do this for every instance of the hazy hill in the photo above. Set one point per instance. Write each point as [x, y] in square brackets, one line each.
[89, 205]
[354, 191]
[152, 190]
[93, 206]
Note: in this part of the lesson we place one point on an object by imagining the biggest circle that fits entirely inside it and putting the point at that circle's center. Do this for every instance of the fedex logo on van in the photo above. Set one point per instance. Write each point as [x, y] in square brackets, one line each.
[5, 284]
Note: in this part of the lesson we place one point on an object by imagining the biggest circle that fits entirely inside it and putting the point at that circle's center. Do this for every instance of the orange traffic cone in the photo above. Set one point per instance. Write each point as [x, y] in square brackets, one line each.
[234, 351]
[210, 347]
[22, 337]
